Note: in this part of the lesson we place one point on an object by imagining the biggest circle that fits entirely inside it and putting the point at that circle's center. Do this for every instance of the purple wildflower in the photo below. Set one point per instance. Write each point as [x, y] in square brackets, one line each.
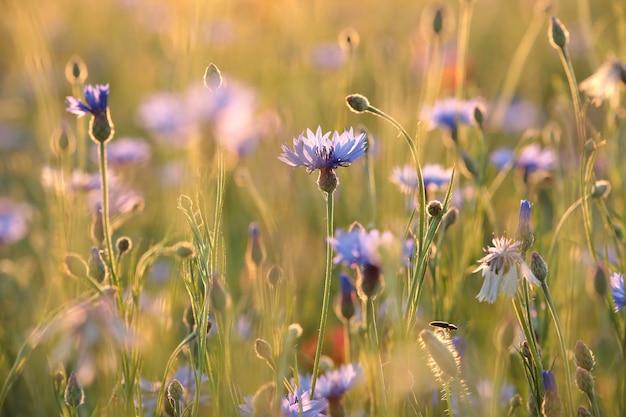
[617, 288]
[334, 384]
[96, 97]
[14, 221]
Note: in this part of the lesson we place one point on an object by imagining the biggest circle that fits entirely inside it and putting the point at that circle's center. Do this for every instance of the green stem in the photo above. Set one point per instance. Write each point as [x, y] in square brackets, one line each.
[559, 332]
[530, 338]
[106, 223]
[327, 282]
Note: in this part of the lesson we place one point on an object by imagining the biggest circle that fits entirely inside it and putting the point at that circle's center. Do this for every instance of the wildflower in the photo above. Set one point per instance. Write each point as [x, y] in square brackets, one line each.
[502, 158]
[533, 159]
[524, 230]
[14, 221]
[501, 268]
[557, 33]
[434, 175]
[584, 356]
[617, 288]
[328, 55]
[318, 151]
[126, 151]
[448, 113]
[164, 115]
[551, 406]
[334, 384]
[97, 98]
[289, 407]
[605, 82]
[93, 330]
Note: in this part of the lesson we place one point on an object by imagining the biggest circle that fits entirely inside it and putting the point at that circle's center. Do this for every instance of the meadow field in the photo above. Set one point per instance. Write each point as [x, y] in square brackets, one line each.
[312, 208]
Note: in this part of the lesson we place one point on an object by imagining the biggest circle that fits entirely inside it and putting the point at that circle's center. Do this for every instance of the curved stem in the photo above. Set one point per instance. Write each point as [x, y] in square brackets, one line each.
[327, 282]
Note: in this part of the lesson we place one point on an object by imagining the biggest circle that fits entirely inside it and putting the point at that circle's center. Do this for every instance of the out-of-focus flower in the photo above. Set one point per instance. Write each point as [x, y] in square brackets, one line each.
[165, 115]
[617, 288]
[604, 84]
[289, 407]
[319, 151]
[334, 384]
[184, 374]
[502, 157]
[448, 113]
[14, 220]
[357, 247]
[126, 151]
[502, 268]
[434, 175]
[328, 55]
[92, 331]
[552, 405]
[521, 115]
[533, 158]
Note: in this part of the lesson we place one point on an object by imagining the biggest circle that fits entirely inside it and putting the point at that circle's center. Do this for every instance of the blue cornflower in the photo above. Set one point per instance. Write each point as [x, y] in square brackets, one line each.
[549, 381]
[533, 158]
[502, 157]
[448, 113]
[14, 221]
[97, 98]
[318, 151]
[334, 384]
[290, 405]
[617, 288]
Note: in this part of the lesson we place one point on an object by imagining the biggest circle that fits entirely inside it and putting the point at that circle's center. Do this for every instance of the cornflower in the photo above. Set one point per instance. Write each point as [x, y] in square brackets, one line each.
[448, 113]
[617, 288]
[97, 103]
[289, 406]
[502, 268]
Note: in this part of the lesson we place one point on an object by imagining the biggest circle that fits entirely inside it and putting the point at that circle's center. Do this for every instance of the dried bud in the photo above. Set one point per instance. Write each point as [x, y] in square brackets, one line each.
[62, 140]
[358, 103]
[220, 298]
[584, 356]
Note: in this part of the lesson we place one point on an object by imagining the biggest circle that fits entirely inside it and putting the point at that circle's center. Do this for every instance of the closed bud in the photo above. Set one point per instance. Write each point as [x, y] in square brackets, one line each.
[220, 298]
[97, 268]
[515, 402]
[255, 251]
[101, 128]
[524, 232]
[584, 356]
[538, 266]
[434, 208]
[600, 189]
[274, 275]
[358, 103]
[370, 282]
[263, 350]
[326, 363]
[74, 393]
[599, 281]
[590, 146]
[62, 140]
[584, 381]
[450, 217]
[123, 244]
[443, 360]
[175, 390]
[74, 265]
[552, 406]
[76, 71]
[558, 35]
[348, 39]
[470, 164]
[212, 77]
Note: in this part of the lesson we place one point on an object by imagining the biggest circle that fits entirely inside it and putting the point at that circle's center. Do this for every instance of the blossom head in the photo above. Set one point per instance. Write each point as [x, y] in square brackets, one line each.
[501, 268]
[605, 82]
[502, 158]
[448, 113]
[334, 384]
[289, 406]
[97, 103]
[434, 175]
[14, 221]
[319, 151]
[535, 160]
[617, 288]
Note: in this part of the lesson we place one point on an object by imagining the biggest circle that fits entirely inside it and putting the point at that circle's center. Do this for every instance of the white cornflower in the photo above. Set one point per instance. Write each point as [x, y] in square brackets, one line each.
[502, 267]
[604, 83]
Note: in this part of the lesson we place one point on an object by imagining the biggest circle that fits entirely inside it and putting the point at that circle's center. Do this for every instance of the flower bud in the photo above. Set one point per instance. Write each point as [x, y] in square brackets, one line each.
[327, 180]
[175, 390]
[212, 77]
[76, 71]
[123, 244]
[450, 217]
[552, 406]
[584, 356]
[74, 265]
[470, 164]
[101, 128]
[348, 39]
[558, 34]
[62, 140]
[584, 381]
[600, 189]
[74, 393]
[434, 208]
[220, 298]
[370, 282]
[263, 350]
[442, 357]
[184, 250]
[188, 318]
[524, 232]
[97, 268]
[599, 281]
[538, 266]
[255, 251]
[358, 103]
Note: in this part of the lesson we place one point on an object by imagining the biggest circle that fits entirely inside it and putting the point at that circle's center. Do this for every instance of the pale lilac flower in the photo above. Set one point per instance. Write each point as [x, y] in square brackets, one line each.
[448, 113]
[92, 330]
[166, 116]
[334, 384]
[125, 151]
[290, 405]
[434, 175]
[502, 268]
[604, 84]
[533, 158]
[14, 221]
[521, 115]
[319, 151]
[328, 55]
[357, 247]
[617, 288]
